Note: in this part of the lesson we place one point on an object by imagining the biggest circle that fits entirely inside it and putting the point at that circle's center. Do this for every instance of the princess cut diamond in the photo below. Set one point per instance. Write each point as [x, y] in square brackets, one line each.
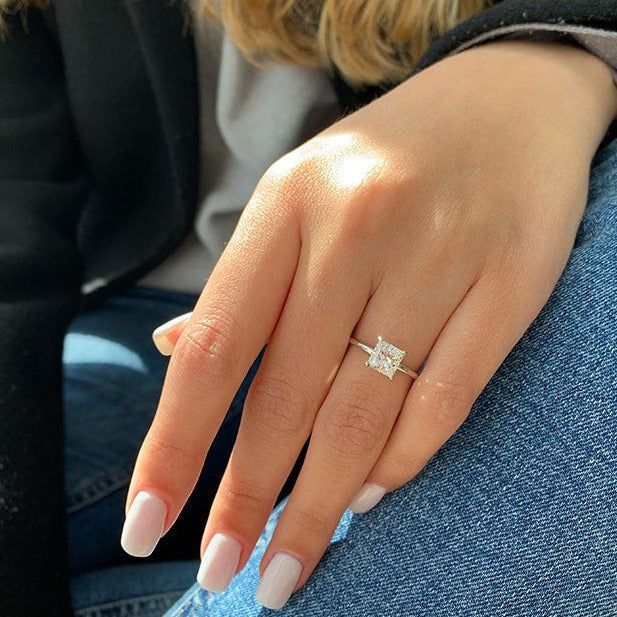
[385, 358]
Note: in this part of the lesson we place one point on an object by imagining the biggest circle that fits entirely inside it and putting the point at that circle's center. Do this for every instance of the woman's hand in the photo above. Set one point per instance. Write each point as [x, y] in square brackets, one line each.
[440, 217]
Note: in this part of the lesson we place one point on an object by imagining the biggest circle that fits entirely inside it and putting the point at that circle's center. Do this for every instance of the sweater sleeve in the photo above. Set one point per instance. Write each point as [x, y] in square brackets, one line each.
[41, 193]
[574, 19]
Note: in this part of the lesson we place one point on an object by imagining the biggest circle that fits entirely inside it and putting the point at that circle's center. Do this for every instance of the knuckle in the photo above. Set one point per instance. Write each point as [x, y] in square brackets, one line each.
[362, 210]
[355, 424]
[211, 345]
[185, 455]
[445, 402]
[352, 229]
[276, 406]
[288, 179]
[310, 521]
[357, 212]
[242, 496]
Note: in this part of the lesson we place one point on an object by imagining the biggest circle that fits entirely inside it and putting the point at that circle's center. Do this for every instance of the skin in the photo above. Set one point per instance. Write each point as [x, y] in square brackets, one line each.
[439, 216]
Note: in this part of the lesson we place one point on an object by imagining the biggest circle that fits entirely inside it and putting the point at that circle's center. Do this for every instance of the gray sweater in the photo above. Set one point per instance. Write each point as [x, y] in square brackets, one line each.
[253, 117]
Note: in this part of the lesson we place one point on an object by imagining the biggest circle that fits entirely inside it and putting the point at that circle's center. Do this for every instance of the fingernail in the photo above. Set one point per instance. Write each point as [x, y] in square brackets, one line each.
[164, 336]
[143, 526]
[278, 581]
[368, 497]
[219, 563]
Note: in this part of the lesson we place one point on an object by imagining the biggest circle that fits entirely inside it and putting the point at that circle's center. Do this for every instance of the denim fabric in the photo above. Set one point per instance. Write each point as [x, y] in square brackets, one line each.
[136, 590]
[516, 514]
[112, 381]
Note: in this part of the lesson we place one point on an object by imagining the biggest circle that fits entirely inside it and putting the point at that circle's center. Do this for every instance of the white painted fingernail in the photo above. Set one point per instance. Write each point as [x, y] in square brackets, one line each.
[219, 563]
[368, 497]
[278, 581]
[164, 337]
[144, 524]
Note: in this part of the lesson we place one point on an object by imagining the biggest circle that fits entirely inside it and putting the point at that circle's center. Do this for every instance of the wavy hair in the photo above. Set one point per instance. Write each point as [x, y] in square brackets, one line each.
[368, 41]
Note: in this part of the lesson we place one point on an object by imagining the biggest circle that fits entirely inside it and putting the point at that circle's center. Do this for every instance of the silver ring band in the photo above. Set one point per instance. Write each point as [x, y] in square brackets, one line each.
[384, 358]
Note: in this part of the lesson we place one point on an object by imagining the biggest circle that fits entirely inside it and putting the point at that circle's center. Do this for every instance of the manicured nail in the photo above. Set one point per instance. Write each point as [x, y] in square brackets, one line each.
[219, 563]
[368, 497]
[166, 336]
[144, 523]
[278, 581]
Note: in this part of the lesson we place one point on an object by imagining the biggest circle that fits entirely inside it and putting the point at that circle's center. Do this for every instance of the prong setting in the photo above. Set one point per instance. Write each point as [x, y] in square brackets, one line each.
[385, 358]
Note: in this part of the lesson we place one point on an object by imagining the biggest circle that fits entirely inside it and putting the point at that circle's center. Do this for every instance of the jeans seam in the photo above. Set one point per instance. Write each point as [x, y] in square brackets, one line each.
[97, 490]
[162, 600]
[180, 610]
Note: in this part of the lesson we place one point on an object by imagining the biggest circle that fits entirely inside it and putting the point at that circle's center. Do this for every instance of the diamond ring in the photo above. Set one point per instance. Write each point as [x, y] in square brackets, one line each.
[384, 358]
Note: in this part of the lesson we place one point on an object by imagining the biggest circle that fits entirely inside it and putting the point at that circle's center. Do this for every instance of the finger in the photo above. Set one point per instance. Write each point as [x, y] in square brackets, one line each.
[299, 364]
[474, 342]
[353, 425]
[233, 318]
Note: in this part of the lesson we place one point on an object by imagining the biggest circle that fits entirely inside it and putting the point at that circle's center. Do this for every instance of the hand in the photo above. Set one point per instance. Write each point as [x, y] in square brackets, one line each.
[440, 216]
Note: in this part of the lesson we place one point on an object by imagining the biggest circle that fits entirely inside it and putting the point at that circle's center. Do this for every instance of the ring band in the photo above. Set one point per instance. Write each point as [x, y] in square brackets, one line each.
[384, 358]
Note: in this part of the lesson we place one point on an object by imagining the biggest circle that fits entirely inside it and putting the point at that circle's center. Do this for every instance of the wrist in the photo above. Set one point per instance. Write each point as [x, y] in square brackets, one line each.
[585, 70]
[578, 86]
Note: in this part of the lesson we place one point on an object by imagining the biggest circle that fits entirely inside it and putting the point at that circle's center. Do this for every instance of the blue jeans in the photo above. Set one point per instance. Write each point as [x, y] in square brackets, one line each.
[516, 513]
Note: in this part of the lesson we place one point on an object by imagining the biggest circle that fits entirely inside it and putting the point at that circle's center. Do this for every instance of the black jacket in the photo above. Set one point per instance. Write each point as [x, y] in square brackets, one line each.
[98, 177]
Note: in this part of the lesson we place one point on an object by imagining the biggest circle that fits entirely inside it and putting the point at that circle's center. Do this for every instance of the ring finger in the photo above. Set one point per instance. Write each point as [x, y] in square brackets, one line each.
[350, 430]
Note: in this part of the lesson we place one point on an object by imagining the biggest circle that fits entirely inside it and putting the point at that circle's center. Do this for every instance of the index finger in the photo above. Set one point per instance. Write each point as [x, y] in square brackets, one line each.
[230, 324]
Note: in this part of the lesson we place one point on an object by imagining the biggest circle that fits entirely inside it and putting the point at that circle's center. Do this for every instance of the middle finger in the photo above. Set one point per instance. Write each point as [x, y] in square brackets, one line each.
[297, 369]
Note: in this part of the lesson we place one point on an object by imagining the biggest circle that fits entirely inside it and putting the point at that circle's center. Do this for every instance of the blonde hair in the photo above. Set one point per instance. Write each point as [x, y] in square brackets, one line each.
[368, 41]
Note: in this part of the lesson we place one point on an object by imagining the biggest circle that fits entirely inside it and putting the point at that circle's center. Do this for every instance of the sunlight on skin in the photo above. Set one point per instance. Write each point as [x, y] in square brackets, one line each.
[349, 171]
[350, 168]
[316, 147]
